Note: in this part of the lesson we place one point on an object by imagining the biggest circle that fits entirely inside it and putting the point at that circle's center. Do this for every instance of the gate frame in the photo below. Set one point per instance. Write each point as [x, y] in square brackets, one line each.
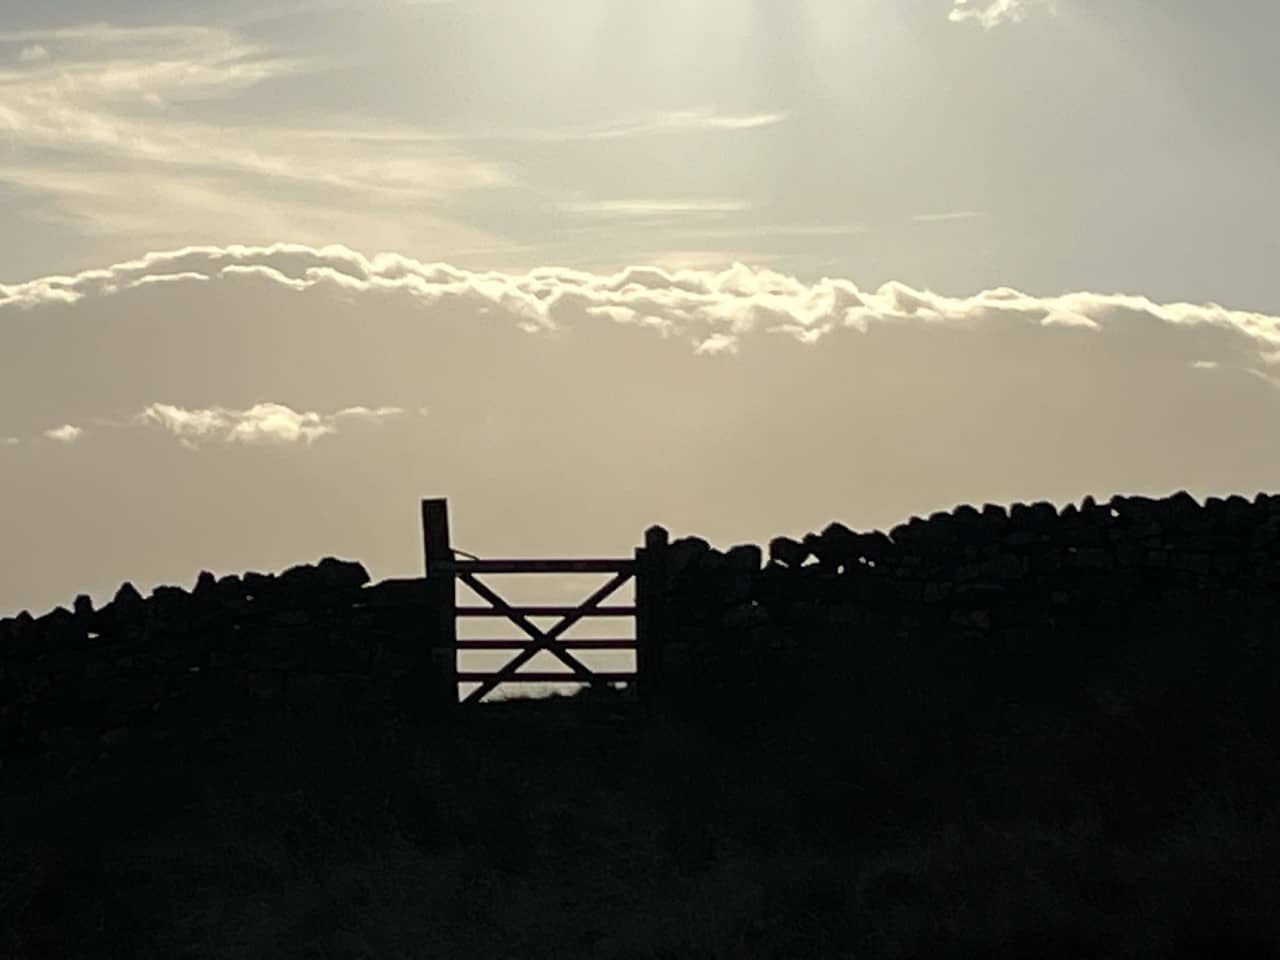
[444, 570]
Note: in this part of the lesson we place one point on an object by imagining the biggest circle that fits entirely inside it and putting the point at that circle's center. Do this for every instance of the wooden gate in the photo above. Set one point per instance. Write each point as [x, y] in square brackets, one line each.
[445, 569]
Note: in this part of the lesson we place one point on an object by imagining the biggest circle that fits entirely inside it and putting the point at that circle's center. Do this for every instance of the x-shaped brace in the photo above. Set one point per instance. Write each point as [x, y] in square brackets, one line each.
[542, 640]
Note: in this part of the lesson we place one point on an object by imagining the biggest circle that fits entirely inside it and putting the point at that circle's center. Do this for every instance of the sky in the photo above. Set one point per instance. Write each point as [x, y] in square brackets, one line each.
[272, 271]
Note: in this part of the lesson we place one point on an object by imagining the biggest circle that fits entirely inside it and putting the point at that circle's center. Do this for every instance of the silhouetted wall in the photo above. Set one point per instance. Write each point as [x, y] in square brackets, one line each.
[1113, 605]
[77, 683]
[1107, 605]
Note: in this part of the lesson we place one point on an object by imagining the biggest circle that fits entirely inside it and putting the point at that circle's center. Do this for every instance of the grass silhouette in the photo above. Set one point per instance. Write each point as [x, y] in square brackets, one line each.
[575, 828]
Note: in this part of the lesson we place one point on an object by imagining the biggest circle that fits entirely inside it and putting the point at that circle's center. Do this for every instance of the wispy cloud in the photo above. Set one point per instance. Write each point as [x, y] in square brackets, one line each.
[704, 119]
[66, 434]
[811, 229]
[108, 124]
[276, 11]
[9, 441]
[711, 227]
[365, 413]
[263, 424]
[117, 93]
[992, 13]
[651, 208]
[947, 217]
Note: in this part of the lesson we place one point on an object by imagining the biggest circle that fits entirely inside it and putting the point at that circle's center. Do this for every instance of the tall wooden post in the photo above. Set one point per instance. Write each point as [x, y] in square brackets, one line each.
[442, 596]
[651, 583]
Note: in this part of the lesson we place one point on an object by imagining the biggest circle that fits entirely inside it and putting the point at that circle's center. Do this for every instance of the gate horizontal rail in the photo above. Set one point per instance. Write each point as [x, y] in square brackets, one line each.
[543, 677]
[544, 611]
[571, 644]
[537, 566]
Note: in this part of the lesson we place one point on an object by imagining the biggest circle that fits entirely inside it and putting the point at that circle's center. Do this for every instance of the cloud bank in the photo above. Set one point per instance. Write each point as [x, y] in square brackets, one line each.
[713, 309]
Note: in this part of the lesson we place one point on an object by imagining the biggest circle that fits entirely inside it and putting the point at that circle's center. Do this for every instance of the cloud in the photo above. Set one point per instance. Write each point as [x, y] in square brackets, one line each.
[261, 12]
[651, 208]
[364, 413]
[114, 134]
[123, 94]
[947, 217]
[9, 441]
[712, 308]
[33, 54]
[701, 119]
[65, 434]
[992, 13]
[263, 424]
[718, 343]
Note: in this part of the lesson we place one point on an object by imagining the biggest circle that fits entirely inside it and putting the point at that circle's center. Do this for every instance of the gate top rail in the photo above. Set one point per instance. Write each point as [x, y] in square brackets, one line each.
[537, 610]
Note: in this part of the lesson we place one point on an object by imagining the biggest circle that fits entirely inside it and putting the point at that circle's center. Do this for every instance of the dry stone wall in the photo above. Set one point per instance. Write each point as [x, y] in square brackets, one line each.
[1114, 604]
[77, 683]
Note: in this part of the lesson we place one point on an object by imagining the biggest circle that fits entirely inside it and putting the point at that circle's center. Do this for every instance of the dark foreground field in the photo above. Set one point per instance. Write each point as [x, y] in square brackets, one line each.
[557, 830]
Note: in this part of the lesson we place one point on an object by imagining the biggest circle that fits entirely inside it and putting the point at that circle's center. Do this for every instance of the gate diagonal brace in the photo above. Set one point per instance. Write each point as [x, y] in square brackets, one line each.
[541, 640]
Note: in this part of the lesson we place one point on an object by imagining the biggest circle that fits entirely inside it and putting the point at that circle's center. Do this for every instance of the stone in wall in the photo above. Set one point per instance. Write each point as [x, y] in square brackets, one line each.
[342, 574]
[996, 518]
[741, 568]
[876, 546]
[684, 556]
[124, 613]
[60, 631]
[837, 546]
[168, 611]
[788, 552]
[326, 578]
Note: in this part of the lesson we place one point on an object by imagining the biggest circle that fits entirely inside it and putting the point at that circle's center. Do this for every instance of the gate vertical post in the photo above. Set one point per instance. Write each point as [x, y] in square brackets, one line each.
[442, 598]
[651, 627]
